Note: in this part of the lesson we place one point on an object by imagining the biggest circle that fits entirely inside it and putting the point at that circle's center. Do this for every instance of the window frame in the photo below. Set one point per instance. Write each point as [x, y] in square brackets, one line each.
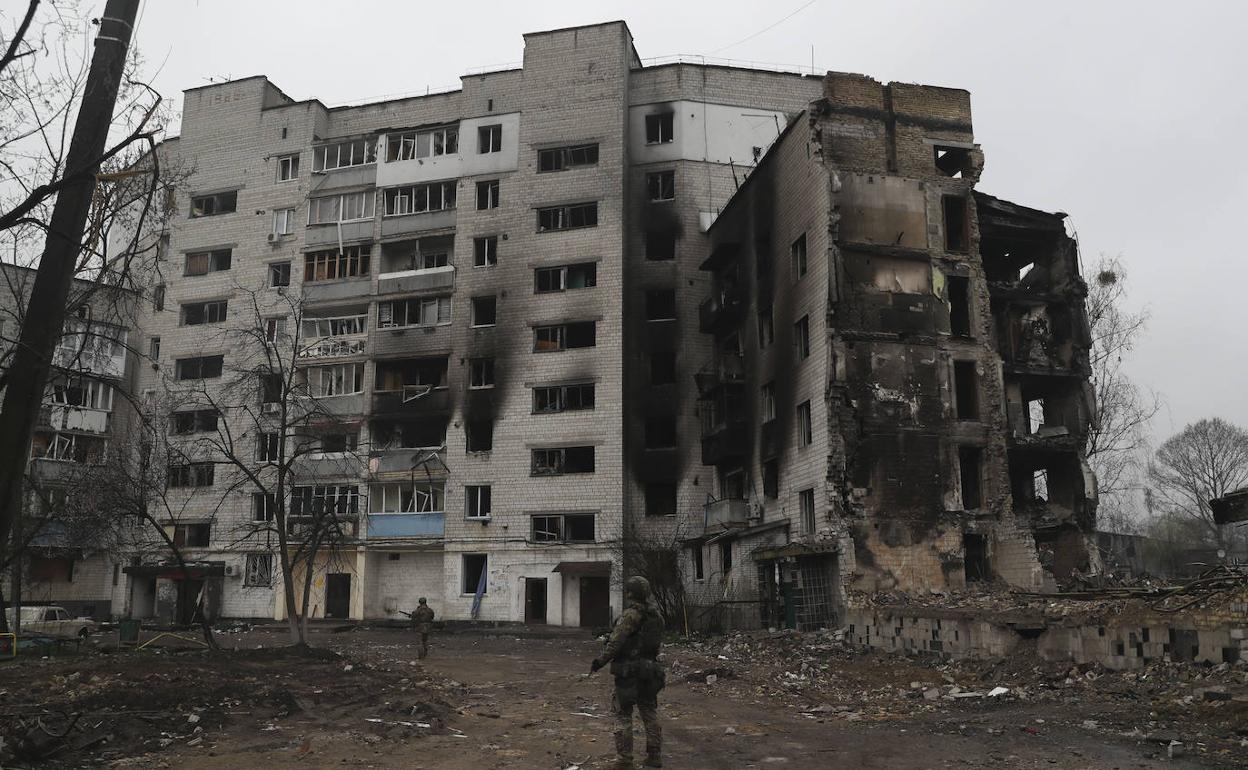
[367, 206]
[485, 251]
[321, 153]
[491, 189]
[798, 258]
[661, 186]
[490, 139]
[258, 570]
[474, 496]
[407, 200]
[275, 273]
[660, 121]
[805, 424]
[288, 167]
[552, 160]
[560, 218]
[480, 373]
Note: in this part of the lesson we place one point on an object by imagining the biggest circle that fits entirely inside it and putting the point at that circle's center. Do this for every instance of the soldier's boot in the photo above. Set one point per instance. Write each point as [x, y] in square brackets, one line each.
[654, 734]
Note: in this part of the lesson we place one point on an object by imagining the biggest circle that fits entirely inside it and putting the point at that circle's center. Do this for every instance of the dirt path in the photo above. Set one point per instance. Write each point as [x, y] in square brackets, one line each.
[527, 704]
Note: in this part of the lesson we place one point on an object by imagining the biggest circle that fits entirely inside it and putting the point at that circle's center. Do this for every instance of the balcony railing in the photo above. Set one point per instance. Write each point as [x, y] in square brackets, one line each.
[392, 525]
[75, 418]
[725, 442]
[94, 361]
[728, 511]
[724, 370]
[333, 347]
[412, 400]
[722, 311]
[438, 279]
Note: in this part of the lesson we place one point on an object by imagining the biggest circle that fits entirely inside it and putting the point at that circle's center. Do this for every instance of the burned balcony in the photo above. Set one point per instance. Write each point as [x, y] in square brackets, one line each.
[399, 444]
[724, 435]
[727, 369]
[417, 266]
[723, 310]
[725, 513]
[411, 387]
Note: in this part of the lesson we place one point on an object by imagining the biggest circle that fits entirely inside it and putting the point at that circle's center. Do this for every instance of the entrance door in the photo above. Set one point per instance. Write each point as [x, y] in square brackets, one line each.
[337, 595]
[535, 600]
[188, 606]
[595, 602]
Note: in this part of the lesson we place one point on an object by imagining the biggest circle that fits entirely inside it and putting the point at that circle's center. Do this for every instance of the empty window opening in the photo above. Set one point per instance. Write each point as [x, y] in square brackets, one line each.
[478, 502]
[975, 558]
[797, 257]
[661, 186]
[966, 390]
[485, 251]
[268, 447]
[192, 535]
[153, 348]
[548, 280]
[212, 205]
[660, 245]
[661, 305]
[271, 386]
[563, 528]
[660, 127]
[956, 236]
[582, 334]
[768, 402]
[801, 338]
[474, 570]
[489, 139]
[567, 217]
[199, 368]
[959, 289]
[279, 274]
[479, 435]
[660, 499]
[484, 311]
[338, 443]
[805, 431]
[970, 471]
[766, 328]
[481, 373]
[1040, 484]
[487, 194]
[191, 475]
[699, 570]
[662, 367]
[561, 460]
[412, 376]
[563, 398]
[660, 432]
[771, 479]
[806, 506]
[287, 167]
[725, 556]
[1035, 416]
[952, 161]
[562, 158]
[197, 421]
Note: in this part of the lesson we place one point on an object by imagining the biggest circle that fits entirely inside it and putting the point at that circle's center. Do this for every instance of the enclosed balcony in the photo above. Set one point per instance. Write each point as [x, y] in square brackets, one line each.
[403, 509]
[72, 418]
[334, 336]
[403, 525]
[723, 310]
[418, 265]
[411, 387]
[89, 346]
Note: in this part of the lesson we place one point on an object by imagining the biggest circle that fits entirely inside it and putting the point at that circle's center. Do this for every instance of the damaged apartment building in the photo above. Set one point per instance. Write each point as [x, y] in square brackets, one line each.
[591, 304]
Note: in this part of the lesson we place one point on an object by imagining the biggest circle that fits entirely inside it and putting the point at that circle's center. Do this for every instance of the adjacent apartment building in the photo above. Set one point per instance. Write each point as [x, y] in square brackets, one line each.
[587, 307]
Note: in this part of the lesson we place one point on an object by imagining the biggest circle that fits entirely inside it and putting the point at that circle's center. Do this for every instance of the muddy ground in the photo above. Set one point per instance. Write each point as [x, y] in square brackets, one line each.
[491, 699]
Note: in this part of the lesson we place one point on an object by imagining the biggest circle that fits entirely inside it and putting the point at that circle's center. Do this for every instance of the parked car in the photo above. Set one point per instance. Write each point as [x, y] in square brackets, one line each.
[53, 621]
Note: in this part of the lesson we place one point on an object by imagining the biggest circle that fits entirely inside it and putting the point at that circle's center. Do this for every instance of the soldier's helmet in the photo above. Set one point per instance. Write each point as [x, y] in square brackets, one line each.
[421, 600]
[637, 588]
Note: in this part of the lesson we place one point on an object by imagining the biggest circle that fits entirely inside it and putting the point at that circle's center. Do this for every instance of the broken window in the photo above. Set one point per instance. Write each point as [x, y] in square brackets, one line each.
[197, 313]
[969, 460]
[421, 434]
[801, 338]
[474, 570]
[481, 373]
[956, 225]
[191, 475]
[348, 207]
[661, 305]
[563, 528]
[771, 479]
[283, 221]
[768, 399]
[487, 194]
[766, 328]
[975, 558]
[339, 499]
[660, 499]
[338, 443]
[268, 447]
[572, 156]
[335, 380]
[952, 161]
[477, 501]
[407, 497]
[489, 139]
[153, 348]
[355, 152]
[350, 262]
[199, 368]
[435, 311]
[271, 386]
[804, 427]
[662, 367]
[661, 186]
[212, 205]
[581, 334]
[725, 556]
[258, 570]
[567, 217]
[966, 390]
[797, 257]
[660, 432]
[192, 535]
[158, 297]
[409, 145]
[659, 128]
[205, 262]
[196, 421]
[484, 311]
[263, 506]
[563, 398]
[420, 199]
[279, 274]
[485, 251]
[479, 435]
[660, 245]
[695, 553]
[561, 460]
[959, 289]
[287, 167]
[422, 374]
[583, 275]
[806, 507]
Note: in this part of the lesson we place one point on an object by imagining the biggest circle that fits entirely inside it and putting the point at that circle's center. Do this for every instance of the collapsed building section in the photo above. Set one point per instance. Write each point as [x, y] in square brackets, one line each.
[898, 395]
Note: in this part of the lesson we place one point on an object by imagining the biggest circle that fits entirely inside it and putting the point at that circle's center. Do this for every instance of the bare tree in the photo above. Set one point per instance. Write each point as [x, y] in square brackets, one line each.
[1118, 435]
[1206, 460]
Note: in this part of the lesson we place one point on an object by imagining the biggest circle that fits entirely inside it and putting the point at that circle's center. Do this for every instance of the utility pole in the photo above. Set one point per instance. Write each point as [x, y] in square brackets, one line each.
[45, 311]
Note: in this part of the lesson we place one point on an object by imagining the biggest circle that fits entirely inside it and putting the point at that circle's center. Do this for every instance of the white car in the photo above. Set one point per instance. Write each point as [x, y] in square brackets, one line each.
[52, 621]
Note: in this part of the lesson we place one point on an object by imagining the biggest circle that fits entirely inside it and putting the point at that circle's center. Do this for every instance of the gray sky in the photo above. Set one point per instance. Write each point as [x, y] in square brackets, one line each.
[1127, 115]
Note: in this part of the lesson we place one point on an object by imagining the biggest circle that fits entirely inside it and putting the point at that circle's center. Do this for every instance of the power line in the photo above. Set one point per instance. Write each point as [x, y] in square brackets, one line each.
[765, 29]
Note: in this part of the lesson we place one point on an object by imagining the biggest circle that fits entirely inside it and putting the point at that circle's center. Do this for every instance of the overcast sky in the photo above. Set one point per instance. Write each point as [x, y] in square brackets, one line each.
[1129, 116]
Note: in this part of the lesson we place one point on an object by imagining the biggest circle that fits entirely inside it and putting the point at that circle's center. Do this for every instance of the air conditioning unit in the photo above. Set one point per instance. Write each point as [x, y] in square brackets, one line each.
[274, 238]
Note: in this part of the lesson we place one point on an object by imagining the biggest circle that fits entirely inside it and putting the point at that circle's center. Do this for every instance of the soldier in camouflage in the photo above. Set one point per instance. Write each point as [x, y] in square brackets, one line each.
[422, 623]
[633, 651]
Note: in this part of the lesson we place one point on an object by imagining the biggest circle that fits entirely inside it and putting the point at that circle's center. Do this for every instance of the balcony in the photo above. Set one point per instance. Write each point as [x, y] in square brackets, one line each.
[724, 310]
[103, 363]
[437, 279]
[725, 442]
[394, 525]
[410, 402]
[74, 418]
[332, 291]
[334, 233]
[328, 465]
[725, 512]
[411, 224]
[335, 347]
[347, 405]
[724, 370]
